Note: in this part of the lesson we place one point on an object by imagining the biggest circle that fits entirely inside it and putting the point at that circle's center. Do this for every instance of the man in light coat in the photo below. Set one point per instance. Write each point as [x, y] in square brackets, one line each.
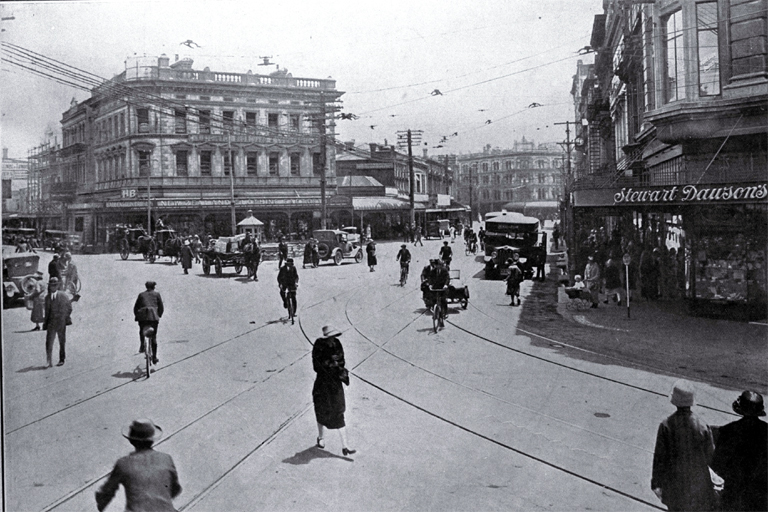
[58, 310]
[592, 280]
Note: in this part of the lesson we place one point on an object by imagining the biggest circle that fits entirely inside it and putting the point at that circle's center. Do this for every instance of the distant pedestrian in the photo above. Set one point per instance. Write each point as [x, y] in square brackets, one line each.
[282, 252]
[452, 233]
[684, 447]
[446, 254]
[740, 456]
[53, 267]
[418, 237]
[539, 256]
[36, 298]
[328, 392]
[613, 288]
[315, 253]
[513, 282]
[368, 232]
[649, 275]
[147, 311]
[149, 477]
[186, 257]
[58, 311]
[556, 236]
[592, 279]
[307, 255]
[197, 246]
[370, 250]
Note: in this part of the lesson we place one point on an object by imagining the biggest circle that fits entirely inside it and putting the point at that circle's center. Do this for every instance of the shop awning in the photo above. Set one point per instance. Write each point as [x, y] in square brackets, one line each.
[382, 203]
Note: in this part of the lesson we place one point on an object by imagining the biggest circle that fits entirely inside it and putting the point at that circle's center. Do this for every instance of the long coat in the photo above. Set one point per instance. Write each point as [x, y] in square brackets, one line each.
[148, 307]
[186, 256]
[683, 452]
[592, 280]
[57, 311]
[150, 481]
[370, 249]
[741, 460]
[328, 393]
[38, 302]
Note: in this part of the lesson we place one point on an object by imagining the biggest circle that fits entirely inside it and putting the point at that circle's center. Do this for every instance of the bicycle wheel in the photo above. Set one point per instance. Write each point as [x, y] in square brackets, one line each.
[148, 354]
[291, 309]
[436, 316]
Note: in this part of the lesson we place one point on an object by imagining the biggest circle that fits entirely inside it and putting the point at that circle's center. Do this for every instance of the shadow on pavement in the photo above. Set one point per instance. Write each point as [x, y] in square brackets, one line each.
[31, 369]
[306, 456]
[134, 374]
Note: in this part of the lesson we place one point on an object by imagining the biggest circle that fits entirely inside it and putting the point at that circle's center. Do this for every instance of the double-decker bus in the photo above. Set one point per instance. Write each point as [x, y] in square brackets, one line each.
[507, 233]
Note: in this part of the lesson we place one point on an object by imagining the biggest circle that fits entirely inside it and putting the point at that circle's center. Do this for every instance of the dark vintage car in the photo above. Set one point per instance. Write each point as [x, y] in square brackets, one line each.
[53, 238]
[18, 274]
[335, 245]
[497, 267]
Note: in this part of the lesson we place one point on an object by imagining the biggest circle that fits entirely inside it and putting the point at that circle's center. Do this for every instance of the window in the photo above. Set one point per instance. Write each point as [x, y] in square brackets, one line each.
[317, 168]
[272, 120]
[143, 163]
[205, 163]
[122, 124]
[508, 165]
[274, 164]
[486, 181]
[674, 72]
[542, 177]
[419, 183]
[229, 158]
[79, 224]
[495, 166]
[295, 122]
[122, 165]
[709, 55]
[497, 194]
[181, 121]
[142, 118]
[205, 121]
[485, 195]
[251, 162]
[250, 119]
[295, 164]
[485, 166]
[229, 120]
[182, 163]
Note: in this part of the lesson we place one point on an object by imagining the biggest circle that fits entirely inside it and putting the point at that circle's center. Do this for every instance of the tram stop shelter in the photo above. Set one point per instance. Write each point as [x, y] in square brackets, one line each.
[251, 225]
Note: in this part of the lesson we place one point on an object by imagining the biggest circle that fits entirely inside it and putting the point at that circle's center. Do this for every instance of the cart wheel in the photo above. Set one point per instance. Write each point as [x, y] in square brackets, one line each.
[145, 255]
[359, 256]
[218, 265]
[338, 257]
[464, 303]
[152, 257]
[238, 268]
[206, 265]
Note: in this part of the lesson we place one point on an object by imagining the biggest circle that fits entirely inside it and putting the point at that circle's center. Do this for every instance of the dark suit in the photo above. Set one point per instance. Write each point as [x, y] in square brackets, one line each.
[148, 310]
[57, 312]
[741, 458]
[53, 269]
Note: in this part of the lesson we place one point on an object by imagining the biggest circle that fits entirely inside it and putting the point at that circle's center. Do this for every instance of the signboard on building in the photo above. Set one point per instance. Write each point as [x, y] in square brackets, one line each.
[443, 200]
[678, 195]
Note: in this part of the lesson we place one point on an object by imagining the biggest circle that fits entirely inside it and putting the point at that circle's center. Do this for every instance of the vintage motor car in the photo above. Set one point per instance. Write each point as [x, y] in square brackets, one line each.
[353, 234]
[437, 228]
[54, 237]
[497, 267]
[334, 244]
[18, 274]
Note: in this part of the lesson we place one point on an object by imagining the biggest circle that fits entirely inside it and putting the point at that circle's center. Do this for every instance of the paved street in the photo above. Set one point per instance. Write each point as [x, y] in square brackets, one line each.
[506, 408]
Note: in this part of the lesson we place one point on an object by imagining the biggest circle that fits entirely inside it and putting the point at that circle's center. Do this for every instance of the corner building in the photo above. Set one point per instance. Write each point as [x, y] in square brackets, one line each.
[672, 144]
[168, 142]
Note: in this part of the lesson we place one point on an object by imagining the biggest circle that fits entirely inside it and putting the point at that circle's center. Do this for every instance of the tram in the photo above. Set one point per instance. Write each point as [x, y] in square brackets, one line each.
[510, 232]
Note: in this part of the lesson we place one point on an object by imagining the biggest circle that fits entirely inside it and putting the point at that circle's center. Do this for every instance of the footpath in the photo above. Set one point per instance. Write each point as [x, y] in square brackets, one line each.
[659, 336]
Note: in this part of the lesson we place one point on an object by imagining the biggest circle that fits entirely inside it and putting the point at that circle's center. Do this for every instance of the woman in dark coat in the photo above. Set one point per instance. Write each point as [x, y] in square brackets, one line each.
[307, 254]
[186, 257]
[370, 249]
[328, 393]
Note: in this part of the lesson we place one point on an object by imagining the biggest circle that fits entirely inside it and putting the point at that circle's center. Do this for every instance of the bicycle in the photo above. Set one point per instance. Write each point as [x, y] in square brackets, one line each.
[470, 248]
[403, 274]
[289, 298]
[438, 310]
[149, 354]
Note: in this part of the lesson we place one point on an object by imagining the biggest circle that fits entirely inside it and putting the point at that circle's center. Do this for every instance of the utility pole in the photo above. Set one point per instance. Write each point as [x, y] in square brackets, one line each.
[233, 219]
[408, 138]
[323, 159]
[570, 232]
[472, 166]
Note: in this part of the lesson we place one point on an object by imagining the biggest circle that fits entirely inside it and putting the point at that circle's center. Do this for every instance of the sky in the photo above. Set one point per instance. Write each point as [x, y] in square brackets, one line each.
[489, 60]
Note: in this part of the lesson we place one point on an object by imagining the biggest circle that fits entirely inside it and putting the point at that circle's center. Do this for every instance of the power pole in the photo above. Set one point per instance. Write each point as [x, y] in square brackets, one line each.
[233, 218]
[323, 159]
[408, 138]
[570, 229]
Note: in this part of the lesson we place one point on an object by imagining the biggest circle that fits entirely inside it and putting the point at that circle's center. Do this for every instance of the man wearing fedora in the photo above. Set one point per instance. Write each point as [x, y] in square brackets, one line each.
[149, 477]
[684, 446]
[58, 310]
[740, 456]
[186, 257]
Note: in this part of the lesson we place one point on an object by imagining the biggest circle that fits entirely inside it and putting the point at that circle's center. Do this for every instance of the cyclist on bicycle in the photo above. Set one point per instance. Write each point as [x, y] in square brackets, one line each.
[472, 242]
[288, 280]
[404, 257]
[440, 279]
[446, 254]
[147, 311]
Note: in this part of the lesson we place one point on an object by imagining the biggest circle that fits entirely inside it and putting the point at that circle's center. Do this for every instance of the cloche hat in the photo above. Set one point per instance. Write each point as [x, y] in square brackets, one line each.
[329, 331]
[682, 394]
[749, 403]
[142, 430]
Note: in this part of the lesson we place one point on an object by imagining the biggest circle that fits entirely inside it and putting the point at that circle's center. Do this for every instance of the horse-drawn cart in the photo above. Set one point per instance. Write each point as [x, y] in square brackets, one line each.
[224, 252]
[165, 243]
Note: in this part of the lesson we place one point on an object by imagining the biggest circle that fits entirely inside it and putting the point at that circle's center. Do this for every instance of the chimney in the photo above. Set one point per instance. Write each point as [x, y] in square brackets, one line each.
[426, 151]
[163, 61]
[5, 153]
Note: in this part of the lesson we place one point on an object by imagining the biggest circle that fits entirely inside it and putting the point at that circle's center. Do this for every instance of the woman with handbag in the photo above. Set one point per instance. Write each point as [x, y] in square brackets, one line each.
[35, 301]
[328, 392]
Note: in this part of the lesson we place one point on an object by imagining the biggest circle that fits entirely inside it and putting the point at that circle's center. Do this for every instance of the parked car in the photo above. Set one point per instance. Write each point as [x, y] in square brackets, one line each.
[18, 274]
[497, 268]
[334, 244]
[54, 237]
[437, 228]
[353, 234]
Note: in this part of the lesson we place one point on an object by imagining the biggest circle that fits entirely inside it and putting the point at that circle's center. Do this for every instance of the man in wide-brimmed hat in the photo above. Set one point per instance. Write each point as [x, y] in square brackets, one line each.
[740, 456]
[684, 447]
[149, 477]
[58, 310]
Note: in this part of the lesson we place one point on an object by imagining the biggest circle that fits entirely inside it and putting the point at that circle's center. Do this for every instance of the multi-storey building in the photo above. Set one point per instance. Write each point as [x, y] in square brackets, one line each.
[14, 172]
[388, 214]
[674, 118]
[166, 141]
[526, 178]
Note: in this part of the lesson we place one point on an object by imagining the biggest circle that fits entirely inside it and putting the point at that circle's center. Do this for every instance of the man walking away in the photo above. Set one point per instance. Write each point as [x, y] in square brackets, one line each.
[147, 311]
[186, 257]
[513, 282]
[282, 252]
[417, 240]
[58, 311]
[740, 456]
[149, 478]
[684, 447]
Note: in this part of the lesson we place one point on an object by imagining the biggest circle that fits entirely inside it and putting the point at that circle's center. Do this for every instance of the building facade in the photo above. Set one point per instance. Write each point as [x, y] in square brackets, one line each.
[14, 173]
[673, 122]
[165, 142]
[527, 178]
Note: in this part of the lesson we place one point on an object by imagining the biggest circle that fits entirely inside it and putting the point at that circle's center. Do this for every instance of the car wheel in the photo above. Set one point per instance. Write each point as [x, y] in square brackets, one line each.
[206, 265]
[323, 250]
[338, 257]
[359, 256]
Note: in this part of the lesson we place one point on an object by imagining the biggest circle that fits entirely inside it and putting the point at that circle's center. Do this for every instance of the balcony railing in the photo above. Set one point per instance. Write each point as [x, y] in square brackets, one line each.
[188, 75]
[156, 182]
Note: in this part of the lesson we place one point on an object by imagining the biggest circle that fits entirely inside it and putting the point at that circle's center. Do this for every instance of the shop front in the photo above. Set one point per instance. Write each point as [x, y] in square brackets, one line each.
[708, 242]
